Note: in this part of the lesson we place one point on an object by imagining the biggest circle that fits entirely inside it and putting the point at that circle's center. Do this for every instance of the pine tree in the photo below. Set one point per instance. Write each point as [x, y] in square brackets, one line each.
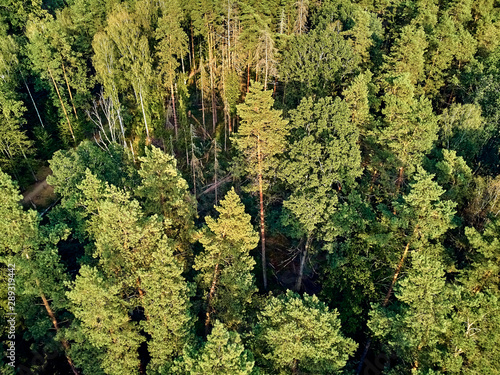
[136, 267]
[410, 126]
[416, 327]
[407, 55]
[317, 63]
[97, 304]
[223, 353]
[225, 266]
[165, 192]
[39, 273]
[298, 335]
[261, 138]
[361, 34]
[323, 159]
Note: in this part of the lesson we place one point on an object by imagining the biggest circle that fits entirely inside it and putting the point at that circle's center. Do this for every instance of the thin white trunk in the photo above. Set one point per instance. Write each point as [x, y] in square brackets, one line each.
[33, 101]
[144, 114]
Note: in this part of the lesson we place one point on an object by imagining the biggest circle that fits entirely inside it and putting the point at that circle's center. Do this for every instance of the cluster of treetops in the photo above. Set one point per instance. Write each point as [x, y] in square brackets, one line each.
[253, 187]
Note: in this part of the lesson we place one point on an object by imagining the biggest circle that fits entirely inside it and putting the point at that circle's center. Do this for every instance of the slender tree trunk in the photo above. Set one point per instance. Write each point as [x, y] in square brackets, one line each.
[69, 90]
[228, 33]
[173, 109]
[202, 97]
[298, 284]
[267, 69]
[209, 299]
[216, 165]
[400, 178]
[144, 114]
[212, 85]
[52, 316]
[396, 274]
[33, 101]
[192, 44]
[192, 160]
[262, 228]
[132, 149]
[62, 105]
[248, 77]
[141, 295]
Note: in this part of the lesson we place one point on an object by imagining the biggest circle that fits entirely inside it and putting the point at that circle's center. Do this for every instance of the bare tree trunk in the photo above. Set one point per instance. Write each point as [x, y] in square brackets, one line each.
[399, 181]
[212, 88]
[69, 90]
[209, 299]
[192, 45]
[248, 77]
[173, 108]
[298, 284]
[132, 149]
[52, 316]
[33, 101]
[202, 98]
[262, 228]
[144, 114]
[192, 159]
[396, 274]
[267, 68]
[62, 105]
[216, 165]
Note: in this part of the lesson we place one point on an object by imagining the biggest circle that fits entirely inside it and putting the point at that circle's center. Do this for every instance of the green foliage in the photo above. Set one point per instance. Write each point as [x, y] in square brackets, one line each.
[69, 169]
[317, 64]
[416, 327]
[372, 92]
[223, 353]
[300, 334]
[463, 130]
[165, 192]
[407, 55]
[323, 158]
[410, 126]
[261, 135]
[105, 322]
[225, 266]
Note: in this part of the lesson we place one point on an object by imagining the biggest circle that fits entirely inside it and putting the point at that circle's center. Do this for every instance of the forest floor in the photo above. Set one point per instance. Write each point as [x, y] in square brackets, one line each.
[40, 194]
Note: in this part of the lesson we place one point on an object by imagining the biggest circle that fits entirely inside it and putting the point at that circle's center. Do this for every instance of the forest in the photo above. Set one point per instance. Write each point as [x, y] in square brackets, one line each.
[250, 187]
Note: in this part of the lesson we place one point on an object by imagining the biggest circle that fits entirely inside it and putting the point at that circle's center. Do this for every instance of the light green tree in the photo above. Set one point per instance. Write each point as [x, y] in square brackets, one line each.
[409, 127]
[323, 158]
[416, 327]
[261, 139]
[222, 353]
[165, 192]
[299, 334]
[39, 272]
[225, 266]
